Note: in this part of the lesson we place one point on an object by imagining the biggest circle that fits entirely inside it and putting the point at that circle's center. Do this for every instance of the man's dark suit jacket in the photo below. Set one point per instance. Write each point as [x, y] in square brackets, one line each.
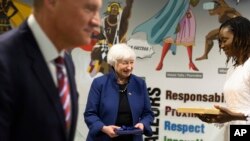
[30, 108]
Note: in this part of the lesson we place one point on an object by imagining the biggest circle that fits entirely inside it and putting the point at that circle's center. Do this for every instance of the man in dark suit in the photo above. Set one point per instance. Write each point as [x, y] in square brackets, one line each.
[31, 108]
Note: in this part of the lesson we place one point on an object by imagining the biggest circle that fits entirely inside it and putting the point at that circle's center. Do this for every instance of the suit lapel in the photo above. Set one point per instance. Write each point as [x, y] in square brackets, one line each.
[46, 81]
[42, 71]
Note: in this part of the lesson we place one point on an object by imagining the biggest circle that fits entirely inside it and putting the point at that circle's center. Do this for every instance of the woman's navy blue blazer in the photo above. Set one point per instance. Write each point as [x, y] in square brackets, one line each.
[103, 102]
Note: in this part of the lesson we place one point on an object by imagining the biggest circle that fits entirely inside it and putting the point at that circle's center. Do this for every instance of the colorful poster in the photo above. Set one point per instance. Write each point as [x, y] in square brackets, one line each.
[178, 55]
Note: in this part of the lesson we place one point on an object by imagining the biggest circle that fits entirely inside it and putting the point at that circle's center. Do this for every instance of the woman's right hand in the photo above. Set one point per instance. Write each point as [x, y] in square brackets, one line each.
[110, 130]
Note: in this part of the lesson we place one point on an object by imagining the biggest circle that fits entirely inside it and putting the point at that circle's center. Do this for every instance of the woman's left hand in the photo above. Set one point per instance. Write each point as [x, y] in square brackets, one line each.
[140, 126]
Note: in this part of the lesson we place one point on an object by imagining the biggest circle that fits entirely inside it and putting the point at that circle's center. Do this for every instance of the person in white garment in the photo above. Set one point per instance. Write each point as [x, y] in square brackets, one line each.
[234, 40]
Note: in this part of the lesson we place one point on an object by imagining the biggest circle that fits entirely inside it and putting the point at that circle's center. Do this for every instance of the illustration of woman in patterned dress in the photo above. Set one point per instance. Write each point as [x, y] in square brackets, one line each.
[172, 26]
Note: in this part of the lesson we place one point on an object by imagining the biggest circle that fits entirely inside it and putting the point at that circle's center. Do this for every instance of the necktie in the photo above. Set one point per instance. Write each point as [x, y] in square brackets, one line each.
[64, 89]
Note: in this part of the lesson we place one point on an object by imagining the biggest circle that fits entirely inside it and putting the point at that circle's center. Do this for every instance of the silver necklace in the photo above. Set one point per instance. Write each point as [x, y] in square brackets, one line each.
[122, 91]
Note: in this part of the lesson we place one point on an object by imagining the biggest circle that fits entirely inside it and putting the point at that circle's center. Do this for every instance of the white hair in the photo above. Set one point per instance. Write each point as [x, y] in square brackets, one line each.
[120, 52]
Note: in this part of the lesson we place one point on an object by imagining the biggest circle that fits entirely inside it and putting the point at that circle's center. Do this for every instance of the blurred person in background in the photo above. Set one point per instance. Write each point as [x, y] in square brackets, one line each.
[38, 95]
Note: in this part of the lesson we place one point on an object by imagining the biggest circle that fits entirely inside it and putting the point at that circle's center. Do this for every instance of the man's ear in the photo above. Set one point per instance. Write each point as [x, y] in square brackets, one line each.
[50, 2]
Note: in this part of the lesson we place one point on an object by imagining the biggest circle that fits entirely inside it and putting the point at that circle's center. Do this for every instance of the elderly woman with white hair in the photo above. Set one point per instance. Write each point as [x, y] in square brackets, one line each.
[118, 101]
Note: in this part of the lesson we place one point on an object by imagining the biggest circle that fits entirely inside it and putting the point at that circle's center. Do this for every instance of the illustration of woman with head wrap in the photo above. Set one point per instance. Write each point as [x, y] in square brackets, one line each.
[113, 30]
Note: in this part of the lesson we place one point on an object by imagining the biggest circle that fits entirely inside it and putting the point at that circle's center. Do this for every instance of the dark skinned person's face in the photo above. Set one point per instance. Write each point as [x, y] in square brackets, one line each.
[114, 10]
[226, 40]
